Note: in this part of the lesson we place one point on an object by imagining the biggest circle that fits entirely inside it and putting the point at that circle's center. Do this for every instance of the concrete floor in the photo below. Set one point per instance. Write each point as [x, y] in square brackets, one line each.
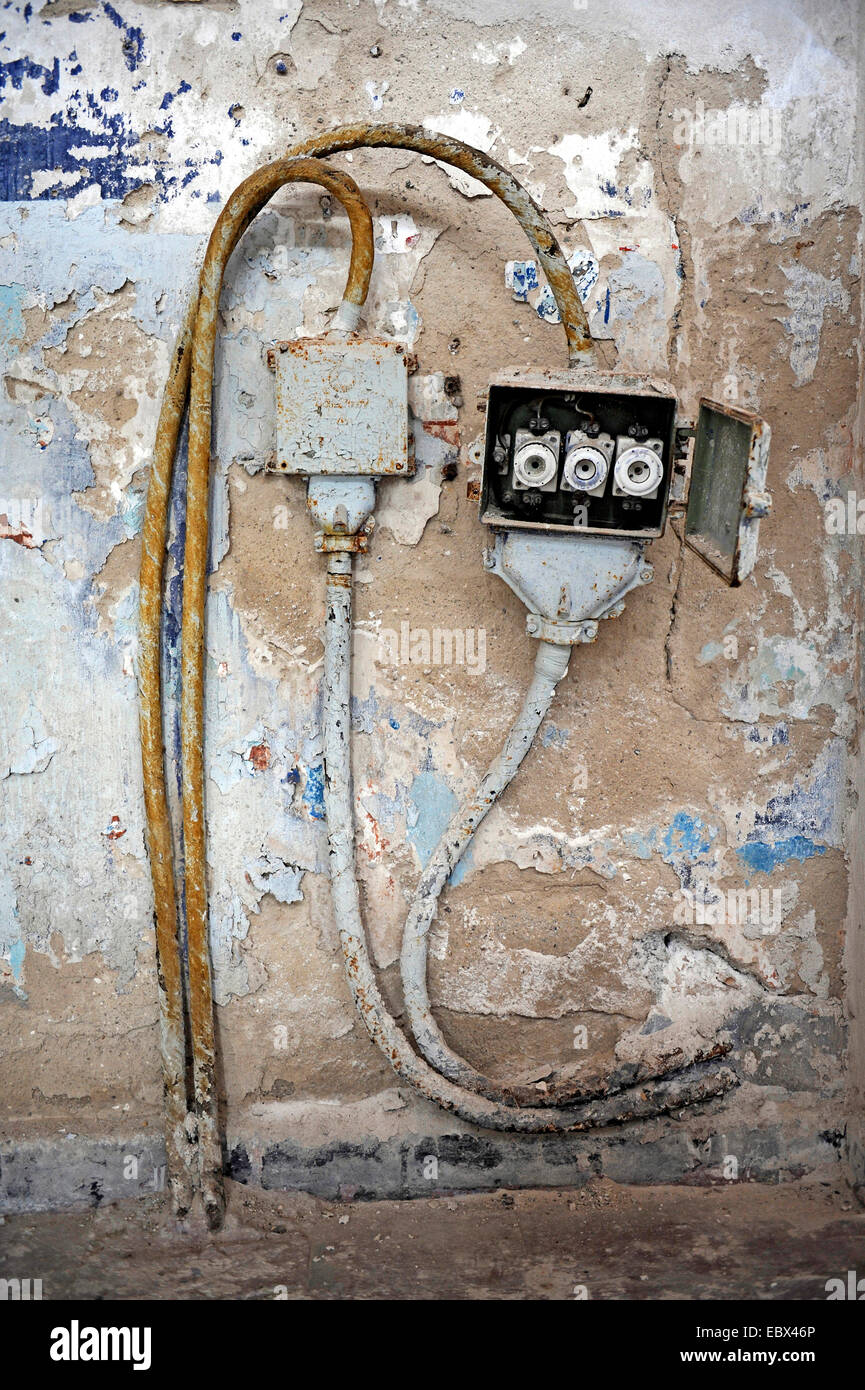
[749, 1241]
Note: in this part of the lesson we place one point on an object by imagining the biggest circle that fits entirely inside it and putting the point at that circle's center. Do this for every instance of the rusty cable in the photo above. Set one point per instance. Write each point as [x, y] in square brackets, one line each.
[499, 181]
[194, 1157]
[159, 837]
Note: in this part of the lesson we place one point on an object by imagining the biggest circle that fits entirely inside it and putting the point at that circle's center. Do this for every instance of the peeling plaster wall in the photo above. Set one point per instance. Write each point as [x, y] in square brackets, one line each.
[704, 746]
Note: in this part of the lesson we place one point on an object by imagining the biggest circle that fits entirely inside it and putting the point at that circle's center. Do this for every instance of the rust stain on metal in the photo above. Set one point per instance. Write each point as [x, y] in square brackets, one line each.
[328, 543]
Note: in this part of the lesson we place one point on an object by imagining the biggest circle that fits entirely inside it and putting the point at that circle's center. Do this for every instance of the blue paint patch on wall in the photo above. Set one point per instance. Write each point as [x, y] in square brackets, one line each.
[86, 140]
[17, 952]
[13, 74]
[688, 837]
[313, 792]
[802, 822]
[59, 259]
[642, 844]
[133, 38]
[433, 806]
[687, 842]
[55, 473]
[11, 316]
[522, 276]
[763, 858]
[29, 149]
[809, 809]
[170, 96]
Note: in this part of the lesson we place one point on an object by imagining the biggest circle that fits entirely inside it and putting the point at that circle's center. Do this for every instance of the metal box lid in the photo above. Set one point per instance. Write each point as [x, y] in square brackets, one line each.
[727, 494]
[341, 406]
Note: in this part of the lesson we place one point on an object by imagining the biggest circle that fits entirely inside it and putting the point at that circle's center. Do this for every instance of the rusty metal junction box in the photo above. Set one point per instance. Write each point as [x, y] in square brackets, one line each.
[341, 407]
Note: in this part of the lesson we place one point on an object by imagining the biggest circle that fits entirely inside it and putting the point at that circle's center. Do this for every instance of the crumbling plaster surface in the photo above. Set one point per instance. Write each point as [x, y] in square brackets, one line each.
[701, 744]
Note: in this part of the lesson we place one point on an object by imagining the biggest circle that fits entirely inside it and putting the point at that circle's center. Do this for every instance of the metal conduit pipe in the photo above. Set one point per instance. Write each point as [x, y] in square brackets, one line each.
[697, 1083]
[188, 1146]
[499, 181]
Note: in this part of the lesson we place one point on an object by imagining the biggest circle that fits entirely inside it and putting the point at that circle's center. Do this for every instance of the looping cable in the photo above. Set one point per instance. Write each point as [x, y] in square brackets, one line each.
[187, 1033]
[191, 1128]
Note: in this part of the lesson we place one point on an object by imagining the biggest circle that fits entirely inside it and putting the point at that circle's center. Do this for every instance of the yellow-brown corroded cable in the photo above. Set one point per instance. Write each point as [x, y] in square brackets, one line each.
[499, 181]
[159, 837]
[193, 361]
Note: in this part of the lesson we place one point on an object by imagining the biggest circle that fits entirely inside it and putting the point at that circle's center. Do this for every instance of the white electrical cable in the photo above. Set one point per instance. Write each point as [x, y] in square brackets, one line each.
[669, 1094]
[347, 317]
[551, 665]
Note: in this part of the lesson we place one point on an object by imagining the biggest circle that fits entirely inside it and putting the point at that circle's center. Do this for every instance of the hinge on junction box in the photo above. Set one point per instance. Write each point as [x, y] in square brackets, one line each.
[681, 478]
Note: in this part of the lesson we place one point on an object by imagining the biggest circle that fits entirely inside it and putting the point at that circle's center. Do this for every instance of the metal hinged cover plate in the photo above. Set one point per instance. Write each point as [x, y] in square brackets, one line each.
[341, 406]
[727, 495]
